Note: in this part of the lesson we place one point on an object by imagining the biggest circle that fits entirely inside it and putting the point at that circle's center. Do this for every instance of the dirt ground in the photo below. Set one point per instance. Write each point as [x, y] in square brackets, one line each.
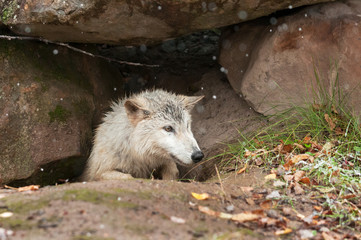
[134, 209]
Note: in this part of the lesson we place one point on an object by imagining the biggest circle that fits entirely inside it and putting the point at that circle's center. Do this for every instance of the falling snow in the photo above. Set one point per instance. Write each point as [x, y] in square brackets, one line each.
[214, 97]
[242, 15]
[55, 51]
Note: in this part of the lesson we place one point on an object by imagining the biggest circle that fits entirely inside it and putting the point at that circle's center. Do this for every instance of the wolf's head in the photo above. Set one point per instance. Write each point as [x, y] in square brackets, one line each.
[162, 125]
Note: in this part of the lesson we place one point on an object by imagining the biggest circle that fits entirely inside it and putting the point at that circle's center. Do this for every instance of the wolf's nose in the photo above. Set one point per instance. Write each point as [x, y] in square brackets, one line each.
[197, 156]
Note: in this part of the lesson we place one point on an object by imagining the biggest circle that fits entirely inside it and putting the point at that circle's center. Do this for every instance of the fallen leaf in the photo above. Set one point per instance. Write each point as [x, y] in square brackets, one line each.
[288, 178]
[270, 176]
[318, 208]
[250, 201]
[287, 148]
[327, 236]
[331, 124]
[202, 196]
[26, 188]
[209, 211]
[306, 139]
[287, 210]
[282, 232]
[279, 183]
[6, 214]
[305, 180]
[266, 204]
[298, 189]
[298, 175]
[247, 189]
[273, 195]
[177, 220]
[299, 146]
[348, 196]
[245, 217]
[242, 169]
[259, 161]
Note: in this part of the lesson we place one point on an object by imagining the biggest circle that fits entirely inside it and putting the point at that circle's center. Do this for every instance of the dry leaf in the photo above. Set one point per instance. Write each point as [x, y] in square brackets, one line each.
[299, 146]
[242, 169]
[250, 201]
[245, 217]
[318, 208]
[298, 175]
[202, 196]
[307, 139]
[348, 196]
[270, 176]
[327, 236]
[331, 124]
[288, 178]
[29, 188]
[177, 220]
[265, 205]
[247, 189]
[298, 189]
[287, 148]
[306, 181]
[209, 211]
[282, 232]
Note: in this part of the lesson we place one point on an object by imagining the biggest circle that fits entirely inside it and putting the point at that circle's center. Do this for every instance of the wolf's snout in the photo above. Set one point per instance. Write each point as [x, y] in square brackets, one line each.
[197, 156]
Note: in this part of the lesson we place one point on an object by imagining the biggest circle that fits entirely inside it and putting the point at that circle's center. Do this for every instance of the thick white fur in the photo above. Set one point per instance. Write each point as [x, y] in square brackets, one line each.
[135, 144]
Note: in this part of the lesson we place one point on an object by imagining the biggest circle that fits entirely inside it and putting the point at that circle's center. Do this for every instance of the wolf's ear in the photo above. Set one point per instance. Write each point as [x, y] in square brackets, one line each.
[135, 111]
[190, 101]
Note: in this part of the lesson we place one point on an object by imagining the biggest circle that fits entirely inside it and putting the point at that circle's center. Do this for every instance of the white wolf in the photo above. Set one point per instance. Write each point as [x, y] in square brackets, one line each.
[144, 135]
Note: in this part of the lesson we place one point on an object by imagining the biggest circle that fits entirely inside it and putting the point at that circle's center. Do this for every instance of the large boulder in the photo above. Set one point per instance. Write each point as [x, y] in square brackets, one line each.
[46, 106]
[130, 22]
[272, 61]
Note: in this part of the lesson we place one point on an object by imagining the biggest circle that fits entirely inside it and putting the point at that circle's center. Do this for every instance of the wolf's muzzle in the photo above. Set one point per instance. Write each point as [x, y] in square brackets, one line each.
[197, 156]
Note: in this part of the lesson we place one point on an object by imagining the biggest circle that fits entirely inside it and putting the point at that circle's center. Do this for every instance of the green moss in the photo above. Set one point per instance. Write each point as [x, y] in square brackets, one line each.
[81, 107]
[95, 197]
[8, 11]
[59, 114]
[16, 224]
[23, 206]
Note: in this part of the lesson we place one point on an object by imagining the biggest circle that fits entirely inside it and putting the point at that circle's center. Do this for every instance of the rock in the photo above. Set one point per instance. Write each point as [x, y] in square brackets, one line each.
[129, 22]
[272, 66]
[46, 107]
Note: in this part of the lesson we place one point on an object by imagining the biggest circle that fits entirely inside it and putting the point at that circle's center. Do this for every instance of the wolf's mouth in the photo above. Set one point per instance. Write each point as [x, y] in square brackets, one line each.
[179, 161]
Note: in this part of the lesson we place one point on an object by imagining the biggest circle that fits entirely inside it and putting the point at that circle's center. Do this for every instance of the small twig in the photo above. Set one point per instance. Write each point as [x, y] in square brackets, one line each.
[7, 37]
[220, 181]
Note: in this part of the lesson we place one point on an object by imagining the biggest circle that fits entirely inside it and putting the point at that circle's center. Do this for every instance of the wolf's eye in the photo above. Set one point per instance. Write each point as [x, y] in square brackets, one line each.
[168, 129]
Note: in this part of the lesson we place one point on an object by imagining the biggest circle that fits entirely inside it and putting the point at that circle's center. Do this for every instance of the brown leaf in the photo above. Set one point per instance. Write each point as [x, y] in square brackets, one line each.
[331, 124]
[287, 148]
[298, 175]
[271, 176]
[283, 232]
[250, 201]
[339, 131]
[209, 211]
[26, 188]
[298, 189]
[287, 210]
[327, 236]
[288, 178]
[318, 208]
[306, 181]
[299, 146]
[306, 139]
[242, 169]
[265, 205]
[348, 196]
[245, 217]
[247, 189]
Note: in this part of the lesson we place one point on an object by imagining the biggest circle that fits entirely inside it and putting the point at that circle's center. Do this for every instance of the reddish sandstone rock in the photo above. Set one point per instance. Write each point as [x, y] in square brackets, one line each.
[130, 22]
[272, 66]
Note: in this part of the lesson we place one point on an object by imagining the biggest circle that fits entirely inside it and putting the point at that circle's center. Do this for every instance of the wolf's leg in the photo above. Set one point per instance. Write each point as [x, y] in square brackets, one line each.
[170, 171]
[115, 175]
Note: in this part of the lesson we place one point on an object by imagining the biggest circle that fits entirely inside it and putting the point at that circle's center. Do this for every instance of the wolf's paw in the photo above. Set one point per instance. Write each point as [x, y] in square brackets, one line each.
[115, 175]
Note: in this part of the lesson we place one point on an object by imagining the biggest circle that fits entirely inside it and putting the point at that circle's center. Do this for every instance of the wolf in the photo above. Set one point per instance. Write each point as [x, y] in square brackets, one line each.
[144, 135]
